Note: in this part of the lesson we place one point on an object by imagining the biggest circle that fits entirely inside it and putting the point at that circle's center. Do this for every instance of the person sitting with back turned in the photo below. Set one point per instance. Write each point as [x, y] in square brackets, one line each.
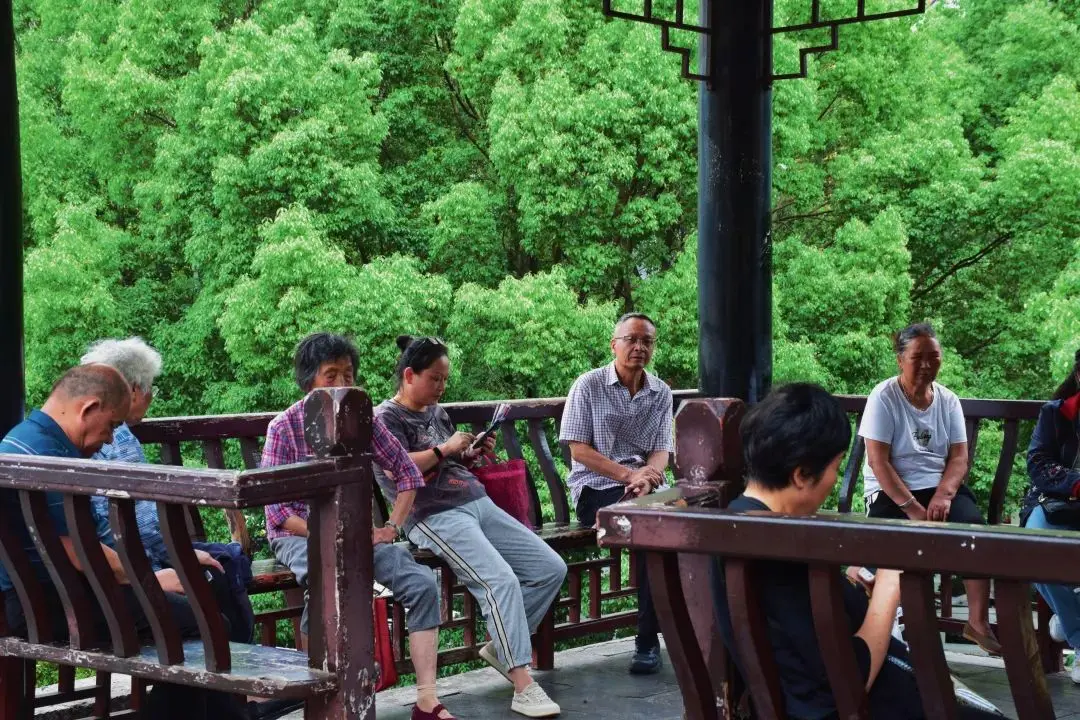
[228, 568]
[323, 360]
[917, 457]
[793, 443]
[84, 408]
[617, 423]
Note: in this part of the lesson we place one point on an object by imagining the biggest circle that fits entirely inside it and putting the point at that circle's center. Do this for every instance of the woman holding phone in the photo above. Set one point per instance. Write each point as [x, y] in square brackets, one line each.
[511, 572]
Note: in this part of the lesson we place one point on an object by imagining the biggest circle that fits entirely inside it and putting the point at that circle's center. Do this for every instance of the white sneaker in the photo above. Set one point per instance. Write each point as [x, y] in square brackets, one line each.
[534, 702]
[1057, 632]
[491, 657]
[1075, 672]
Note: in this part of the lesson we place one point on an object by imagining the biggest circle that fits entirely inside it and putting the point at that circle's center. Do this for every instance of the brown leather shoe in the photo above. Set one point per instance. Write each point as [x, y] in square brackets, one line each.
[987, 642]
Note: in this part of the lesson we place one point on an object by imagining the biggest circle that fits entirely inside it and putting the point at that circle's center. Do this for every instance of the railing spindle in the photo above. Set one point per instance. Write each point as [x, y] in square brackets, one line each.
[833, 631]
[752, 639]
[1009, 444]
[87, 546]
[22, 576]
[538, 439]
[927, 654]
[68, 582]
[1021, 651]
[203, 603]
[144, 583]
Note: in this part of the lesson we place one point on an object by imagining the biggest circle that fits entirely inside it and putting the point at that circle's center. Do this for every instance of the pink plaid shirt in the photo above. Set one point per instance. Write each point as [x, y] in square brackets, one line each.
[285, 444]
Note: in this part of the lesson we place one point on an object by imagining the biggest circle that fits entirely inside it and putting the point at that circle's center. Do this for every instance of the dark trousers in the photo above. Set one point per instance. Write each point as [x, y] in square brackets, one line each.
[648, 628]
[165, 701]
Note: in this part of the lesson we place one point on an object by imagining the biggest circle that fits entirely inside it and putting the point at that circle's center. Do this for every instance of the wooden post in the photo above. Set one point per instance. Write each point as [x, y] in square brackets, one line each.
[708, 459]
[337, 424]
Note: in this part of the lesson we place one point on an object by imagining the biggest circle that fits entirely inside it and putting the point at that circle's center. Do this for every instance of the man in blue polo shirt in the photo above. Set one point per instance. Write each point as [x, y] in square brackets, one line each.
[83, 409]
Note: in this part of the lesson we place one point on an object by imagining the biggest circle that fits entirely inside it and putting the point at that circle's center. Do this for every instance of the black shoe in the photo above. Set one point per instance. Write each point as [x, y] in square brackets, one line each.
[646, 662]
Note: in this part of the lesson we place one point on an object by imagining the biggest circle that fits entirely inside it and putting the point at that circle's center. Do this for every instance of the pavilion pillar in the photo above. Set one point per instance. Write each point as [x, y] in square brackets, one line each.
[12, 386]
[734, 177]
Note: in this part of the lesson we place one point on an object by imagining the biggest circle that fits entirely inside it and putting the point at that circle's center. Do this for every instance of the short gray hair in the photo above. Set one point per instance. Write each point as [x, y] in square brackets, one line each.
[139, 363]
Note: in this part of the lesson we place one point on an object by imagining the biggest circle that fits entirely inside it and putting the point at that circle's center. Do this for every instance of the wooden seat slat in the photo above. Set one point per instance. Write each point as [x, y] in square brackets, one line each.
[256, 669]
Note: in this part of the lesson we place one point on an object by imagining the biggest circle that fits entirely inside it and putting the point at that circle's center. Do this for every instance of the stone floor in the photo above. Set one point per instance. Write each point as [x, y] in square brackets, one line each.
[592, 682]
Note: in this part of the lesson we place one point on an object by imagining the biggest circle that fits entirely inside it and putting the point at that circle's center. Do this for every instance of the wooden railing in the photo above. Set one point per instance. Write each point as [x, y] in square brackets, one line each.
[336, 677]
[672, 537]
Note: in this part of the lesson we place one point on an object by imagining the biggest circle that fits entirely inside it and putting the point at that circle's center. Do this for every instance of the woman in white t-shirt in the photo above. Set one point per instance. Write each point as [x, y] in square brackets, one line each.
[917, 457]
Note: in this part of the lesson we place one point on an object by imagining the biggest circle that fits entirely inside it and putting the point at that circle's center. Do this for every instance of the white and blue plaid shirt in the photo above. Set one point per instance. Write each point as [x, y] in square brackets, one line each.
[600, 413]
[125, 447]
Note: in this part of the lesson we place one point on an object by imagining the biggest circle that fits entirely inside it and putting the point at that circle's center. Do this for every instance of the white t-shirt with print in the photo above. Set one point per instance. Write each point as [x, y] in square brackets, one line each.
[920, 439]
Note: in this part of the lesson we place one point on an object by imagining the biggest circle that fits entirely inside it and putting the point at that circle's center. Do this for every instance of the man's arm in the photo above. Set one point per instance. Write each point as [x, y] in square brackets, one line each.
[281, 448]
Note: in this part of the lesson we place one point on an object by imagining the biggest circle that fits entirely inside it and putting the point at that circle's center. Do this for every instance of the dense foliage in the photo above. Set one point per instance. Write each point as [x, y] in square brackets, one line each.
[223, 176]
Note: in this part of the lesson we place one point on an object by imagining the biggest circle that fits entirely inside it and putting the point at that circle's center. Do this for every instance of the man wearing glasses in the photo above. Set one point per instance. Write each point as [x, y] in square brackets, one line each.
[617, 423]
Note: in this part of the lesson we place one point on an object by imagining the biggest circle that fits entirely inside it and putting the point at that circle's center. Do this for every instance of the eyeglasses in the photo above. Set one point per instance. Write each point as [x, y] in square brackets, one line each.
[420, 343]
[646, 342]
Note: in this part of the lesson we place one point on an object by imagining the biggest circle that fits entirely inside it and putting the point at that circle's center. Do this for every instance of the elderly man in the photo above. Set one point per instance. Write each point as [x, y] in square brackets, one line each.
[84, 408]
[323, 360]
[617, 423]
[228, 567]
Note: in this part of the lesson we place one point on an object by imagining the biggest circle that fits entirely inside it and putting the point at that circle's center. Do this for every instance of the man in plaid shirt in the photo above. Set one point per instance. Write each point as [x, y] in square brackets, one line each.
[617, 423]
[323, 360]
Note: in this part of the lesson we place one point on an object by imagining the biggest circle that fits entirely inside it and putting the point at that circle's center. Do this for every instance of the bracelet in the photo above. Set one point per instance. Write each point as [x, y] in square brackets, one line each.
[397, 528]
[907, 502]
[438, 453]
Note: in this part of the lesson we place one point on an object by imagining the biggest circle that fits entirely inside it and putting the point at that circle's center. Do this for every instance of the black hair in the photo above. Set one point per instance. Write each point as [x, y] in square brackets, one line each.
[319, 348]
[1070, 386]
[796, 426]
[904, 338]
[95, 380]
[418, 354]
[634, 316]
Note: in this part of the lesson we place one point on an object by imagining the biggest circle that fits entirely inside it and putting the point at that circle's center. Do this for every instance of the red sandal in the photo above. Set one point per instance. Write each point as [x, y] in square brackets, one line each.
[418, 714]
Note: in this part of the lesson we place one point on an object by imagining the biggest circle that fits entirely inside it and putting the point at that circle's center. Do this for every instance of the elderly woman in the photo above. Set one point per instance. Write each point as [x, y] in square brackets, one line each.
[793, 443]
[1055, 477]
[510, 571]
[917, 457]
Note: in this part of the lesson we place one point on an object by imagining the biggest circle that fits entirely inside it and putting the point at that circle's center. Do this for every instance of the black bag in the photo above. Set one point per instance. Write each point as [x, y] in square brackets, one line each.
[1061, 511]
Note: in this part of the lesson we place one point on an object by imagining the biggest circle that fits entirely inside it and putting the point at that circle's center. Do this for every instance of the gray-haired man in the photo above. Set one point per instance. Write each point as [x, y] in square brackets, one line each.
[617, 423]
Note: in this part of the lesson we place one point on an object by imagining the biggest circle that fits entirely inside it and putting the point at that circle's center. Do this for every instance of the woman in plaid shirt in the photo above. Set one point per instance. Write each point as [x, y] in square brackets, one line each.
[323, 360]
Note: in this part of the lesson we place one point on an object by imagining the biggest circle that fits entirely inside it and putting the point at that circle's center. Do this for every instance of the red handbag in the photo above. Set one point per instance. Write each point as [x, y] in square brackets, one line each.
[507, 486]
[384, 649]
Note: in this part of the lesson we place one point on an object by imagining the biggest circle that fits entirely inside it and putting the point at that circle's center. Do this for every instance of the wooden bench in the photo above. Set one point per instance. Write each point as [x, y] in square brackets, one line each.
[336, 678]
[673, 537]
[530, 432]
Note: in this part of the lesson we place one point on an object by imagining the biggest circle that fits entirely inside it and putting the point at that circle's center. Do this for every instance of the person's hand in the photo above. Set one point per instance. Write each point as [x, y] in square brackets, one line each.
[654, 477]
[205, 558]
[915, 511]
[639, 486]
[170, 581]
[940, 504]
[383, 535]
[853, 572]
[458, 443]
[489, 443]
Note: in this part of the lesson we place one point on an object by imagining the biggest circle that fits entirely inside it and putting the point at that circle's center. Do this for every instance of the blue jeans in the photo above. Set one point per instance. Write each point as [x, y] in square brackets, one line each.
[1061, 598]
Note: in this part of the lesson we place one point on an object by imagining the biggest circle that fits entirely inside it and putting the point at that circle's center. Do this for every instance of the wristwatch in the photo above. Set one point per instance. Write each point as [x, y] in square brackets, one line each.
[438, 453]
[397, 528]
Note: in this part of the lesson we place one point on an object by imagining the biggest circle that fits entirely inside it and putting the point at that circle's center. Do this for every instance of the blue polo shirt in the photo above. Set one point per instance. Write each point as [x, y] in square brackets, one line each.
[38, 434]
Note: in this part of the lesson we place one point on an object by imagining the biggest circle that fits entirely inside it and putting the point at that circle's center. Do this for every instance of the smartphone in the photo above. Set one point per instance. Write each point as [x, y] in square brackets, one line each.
[866, 574]
[501, 412]
[484, 435]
